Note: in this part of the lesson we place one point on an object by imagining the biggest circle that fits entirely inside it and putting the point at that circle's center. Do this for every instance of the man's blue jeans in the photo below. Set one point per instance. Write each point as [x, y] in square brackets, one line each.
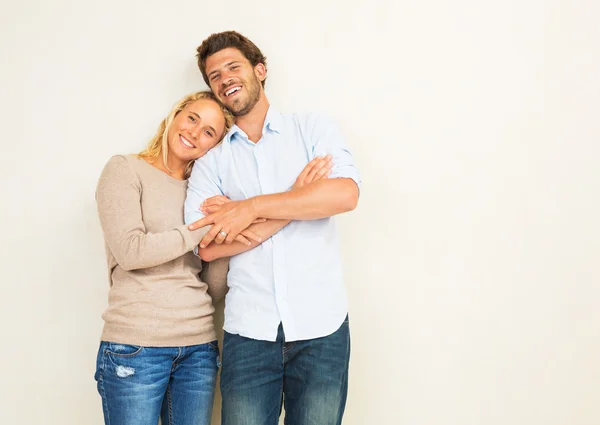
[140, 384]
[310, 377]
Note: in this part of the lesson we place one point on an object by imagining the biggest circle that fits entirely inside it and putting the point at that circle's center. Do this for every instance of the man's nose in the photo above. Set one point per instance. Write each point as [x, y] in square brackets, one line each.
[227, 80]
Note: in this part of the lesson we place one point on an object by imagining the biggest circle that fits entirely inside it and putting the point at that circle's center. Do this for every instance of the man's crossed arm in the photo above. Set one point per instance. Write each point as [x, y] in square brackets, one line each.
[323, 198]
[312, 197]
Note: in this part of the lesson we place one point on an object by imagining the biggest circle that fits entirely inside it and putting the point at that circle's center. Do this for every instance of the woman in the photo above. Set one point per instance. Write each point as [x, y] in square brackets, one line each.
[158, 355]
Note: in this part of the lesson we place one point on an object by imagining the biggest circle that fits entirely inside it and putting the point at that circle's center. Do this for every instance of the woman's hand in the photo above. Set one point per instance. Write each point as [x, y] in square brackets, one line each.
[215, 203]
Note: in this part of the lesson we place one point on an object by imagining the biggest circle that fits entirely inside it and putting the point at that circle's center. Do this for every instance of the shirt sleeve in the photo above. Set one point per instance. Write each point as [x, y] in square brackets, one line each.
[203, 183]
[118, 197]
[326, 138]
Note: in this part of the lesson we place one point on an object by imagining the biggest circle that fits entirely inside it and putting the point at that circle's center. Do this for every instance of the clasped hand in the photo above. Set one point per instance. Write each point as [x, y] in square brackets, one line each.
[230, 219]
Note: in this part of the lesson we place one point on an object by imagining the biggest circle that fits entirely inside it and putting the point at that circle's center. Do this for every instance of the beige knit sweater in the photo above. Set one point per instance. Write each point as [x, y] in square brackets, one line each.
[156, 297]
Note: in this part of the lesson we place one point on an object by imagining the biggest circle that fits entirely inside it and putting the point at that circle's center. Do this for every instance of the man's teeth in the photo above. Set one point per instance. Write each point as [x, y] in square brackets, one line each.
[232, 90]
[185, 142]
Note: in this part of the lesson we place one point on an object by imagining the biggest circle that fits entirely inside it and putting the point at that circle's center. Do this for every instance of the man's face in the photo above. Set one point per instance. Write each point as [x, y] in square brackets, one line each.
[234, 81]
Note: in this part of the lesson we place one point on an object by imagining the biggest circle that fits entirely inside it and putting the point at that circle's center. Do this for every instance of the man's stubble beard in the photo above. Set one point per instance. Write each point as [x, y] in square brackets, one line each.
[251, 101]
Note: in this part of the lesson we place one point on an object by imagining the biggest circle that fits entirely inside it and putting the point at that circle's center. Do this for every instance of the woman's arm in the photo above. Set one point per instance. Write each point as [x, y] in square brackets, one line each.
[214, 274]
[118, 198]
[264, 230]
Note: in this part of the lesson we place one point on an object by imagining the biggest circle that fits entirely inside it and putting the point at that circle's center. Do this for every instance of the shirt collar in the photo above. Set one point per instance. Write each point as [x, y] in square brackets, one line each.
[273, 122]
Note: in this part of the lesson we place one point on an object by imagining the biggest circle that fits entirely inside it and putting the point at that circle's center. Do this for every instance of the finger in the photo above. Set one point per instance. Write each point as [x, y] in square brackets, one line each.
[310, 177]
[211, 209]
[251, 235]
[201, 223]
[327, 166]
[307, 168]
[220, 198]
[323, 172]
[322, 164]
[209, 237]
[231, 237]
[213, 201]
[211, 204]
[259, 220]
[221, 236]
[243, 240]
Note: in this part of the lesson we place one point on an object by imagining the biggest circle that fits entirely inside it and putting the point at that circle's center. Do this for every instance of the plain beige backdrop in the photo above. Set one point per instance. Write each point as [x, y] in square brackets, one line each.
[472, 262]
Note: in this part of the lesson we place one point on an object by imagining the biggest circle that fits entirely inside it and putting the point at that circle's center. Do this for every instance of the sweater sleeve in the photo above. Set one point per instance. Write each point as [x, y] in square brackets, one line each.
[118, 197]
[215, 276]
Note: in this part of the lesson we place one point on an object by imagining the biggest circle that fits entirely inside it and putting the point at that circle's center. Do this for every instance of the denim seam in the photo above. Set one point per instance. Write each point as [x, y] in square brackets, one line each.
[281, 399]
[287, 347]
[177, 358]
[111, 357]
[170, 404]
[282, 380]
[135, 353]
[101, 379]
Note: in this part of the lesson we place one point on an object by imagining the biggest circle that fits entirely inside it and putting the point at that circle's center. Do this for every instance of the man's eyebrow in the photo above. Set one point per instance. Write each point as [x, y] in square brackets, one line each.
[224, 66]
[210, 127]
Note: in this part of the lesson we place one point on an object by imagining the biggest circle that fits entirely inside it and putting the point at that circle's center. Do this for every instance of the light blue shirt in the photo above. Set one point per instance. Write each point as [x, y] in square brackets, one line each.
[295, 277]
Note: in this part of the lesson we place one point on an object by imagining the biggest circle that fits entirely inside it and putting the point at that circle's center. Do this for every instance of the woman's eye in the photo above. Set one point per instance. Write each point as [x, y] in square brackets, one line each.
[192, 119]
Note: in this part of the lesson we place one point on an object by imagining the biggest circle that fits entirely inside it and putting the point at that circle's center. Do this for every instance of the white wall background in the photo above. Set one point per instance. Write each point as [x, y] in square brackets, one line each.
[472, 260]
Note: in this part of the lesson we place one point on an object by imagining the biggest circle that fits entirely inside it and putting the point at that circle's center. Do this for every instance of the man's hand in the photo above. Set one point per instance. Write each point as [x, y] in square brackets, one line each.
[213, 204]
[231, 219]
[317, 169]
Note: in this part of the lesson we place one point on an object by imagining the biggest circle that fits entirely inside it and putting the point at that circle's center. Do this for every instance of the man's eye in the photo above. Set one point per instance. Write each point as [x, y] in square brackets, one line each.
[235, 67]
[214, 77]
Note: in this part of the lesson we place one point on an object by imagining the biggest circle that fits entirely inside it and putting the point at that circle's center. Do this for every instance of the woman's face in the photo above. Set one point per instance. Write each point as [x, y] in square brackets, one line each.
[195, 130]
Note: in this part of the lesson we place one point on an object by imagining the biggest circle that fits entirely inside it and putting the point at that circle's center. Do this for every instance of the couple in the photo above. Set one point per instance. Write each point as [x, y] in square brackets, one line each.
[258, 209]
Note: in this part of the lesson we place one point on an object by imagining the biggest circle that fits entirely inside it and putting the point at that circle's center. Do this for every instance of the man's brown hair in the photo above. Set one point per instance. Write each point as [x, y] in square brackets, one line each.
[223, 40]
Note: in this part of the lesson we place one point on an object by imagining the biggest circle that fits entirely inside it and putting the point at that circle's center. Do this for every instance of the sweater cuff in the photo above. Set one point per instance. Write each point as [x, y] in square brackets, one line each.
[193, 237]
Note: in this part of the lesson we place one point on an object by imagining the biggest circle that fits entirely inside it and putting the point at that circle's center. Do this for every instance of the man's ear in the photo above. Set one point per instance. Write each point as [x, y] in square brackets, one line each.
[261, 72]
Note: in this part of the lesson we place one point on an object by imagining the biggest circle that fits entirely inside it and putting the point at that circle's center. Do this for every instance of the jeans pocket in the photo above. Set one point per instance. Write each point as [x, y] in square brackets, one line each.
[122, 350]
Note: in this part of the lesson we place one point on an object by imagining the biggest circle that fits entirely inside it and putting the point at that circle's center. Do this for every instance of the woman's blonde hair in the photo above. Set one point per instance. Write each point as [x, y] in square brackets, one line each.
[159, 144]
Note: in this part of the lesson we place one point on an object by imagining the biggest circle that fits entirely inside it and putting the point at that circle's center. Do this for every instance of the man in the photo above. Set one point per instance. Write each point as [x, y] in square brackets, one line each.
[286, 324]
